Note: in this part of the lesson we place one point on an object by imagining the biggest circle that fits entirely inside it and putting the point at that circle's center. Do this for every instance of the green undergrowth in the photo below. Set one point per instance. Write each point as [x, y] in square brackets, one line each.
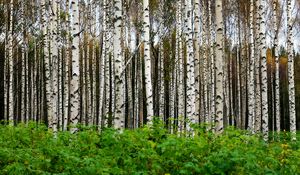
[33, 150]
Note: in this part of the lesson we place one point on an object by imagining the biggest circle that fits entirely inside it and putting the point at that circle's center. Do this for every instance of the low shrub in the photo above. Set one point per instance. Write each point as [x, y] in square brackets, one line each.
[34, 150]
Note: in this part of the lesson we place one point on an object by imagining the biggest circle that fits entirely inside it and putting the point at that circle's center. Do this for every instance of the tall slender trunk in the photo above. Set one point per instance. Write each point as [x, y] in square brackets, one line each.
[238, 82]
[205, 63]
[54, 65]
[251, 95]
[11, 66]
[75, 82]
[162, 82]
[277, 83]
[67, 63]
[180, 66]
[212, 68]
[102, 67]
[291, 80]
[59, 67]
[219, 67]
[24, 70]
[48, 103]
[264, 83]
[190, 68]
[119, 120]
[171, 95]
[147, 58]
[197, 58]
[257, 71]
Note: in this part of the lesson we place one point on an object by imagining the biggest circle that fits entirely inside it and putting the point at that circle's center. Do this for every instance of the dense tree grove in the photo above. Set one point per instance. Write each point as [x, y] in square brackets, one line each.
[123, 63]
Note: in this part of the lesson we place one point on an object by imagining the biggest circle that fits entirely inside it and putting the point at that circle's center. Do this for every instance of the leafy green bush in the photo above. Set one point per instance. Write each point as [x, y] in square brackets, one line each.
[34, 150]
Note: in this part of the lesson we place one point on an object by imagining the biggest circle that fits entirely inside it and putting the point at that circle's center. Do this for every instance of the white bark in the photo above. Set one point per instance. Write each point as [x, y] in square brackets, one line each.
[180, 66]
[291, 79]
[148, 79]
[190, 68]
[212, 69]
[119, 120]
[172, 100]
[47, 64]
[197, 58]
[205, 63]
[67, 71]
[238, 87]
[277, 79]
[54, 58]
[162, 82]
[102, 77]
[251, 95]
[264, 82]
[102, 67]
[10, 65]
[75, 83]
[257, 72]
[219, 68]
[24, 70]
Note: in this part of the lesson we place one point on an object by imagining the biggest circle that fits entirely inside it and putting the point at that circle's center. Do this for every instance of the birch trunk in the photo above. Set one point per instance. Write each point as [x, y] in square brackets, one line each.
[147, 58]
[67, 71]
[212, 69]
[24, 70]
[219, 68]
[47, 64]
[190, 68]
[251, 95]
[172, 100]
[238, 88]
[119, 120]
[59, 67]
[205, 63]
[257, 72]
[277, 79]
[264, 82]
[101, 77]
[291, 80]
[54, 65]
[197, 58]
[180, 66]
[6, 70]
[75, 83]
[162, 83]
[102, 67]
[11, 66]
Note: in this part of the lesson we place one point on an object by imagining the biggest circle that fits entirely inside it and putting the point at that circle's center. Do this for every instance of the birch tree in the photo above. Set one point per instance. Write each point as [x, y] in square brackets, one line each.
[257, 69]
[291, 81]
[180, 65]
[10, 65]
[205, 63]
[119, 120]
[219, 67]
[54, 65]
[211, 65]
[47, 63]
[251, 95]
[277, 86]
[24, 68]
[190, 68]
[75, 83]
[147, 58]
[197, 58]
[264, 83]
[67, 69]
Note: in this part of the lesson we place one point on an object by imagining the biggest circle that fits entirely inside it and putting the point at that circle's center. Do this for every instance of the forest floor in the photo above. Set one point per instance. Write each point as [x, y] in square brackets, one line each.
[34, 150]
